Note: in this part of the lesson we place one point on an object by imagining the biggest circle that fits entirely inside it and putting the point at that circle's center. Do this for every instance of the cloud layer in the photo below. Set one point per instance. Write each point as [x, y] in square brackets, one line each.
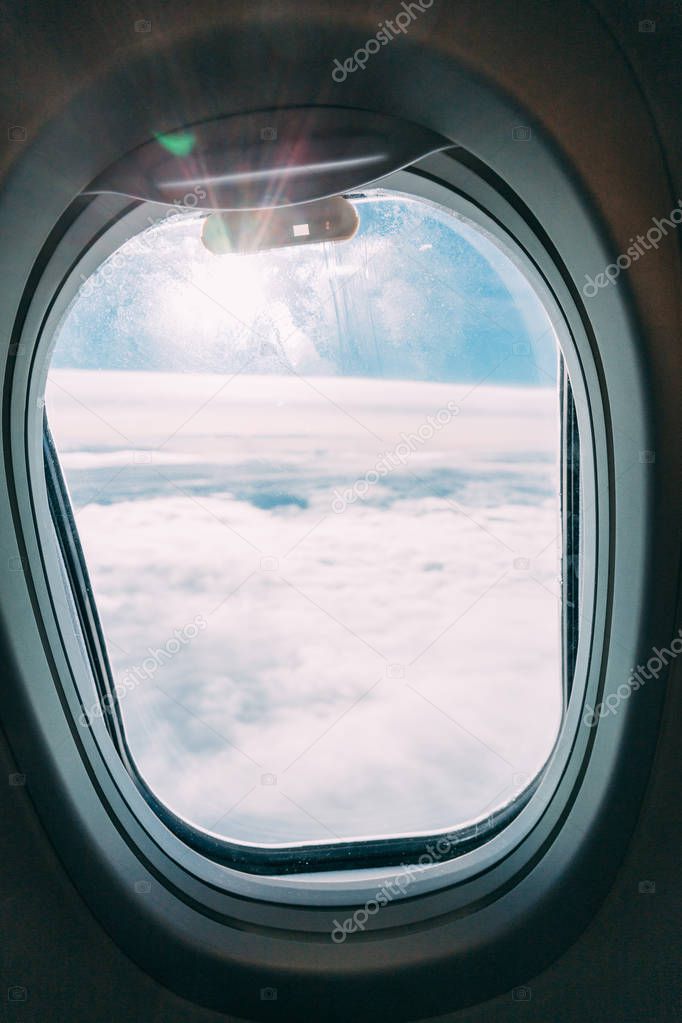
[392, 669]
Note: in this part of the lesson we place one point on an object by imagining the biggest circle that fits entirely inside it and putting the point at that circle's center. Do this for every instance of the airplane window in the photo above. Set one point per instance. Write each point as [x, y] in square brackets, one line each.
[318, 490]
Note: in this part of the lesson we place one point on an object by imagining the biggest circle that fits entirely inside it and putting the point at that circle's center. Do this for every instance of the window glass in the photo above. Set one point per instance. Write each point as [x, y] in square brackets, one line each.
[317, 490]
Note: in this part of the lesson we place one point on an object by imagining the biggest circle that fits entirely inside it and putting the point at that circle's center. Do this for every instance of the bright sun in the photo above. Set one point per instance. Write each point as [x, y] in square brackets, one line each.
[212, 298]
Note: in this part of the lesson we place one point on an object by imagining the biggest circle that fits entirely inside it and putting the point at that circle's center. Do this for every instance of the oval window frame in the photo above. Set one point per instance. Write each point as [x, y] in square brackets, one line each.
[447, 182]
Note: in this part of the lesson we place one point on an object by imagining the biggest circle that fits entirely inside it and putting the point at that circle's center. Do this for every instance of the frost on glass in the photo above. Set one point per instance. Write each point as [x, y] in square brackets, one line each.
[317, 491]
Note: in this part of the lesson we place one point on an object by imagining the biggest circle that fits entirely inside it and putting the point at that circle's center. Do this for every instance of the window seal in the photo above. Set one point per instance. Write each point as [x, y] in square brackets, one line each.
[571, 528]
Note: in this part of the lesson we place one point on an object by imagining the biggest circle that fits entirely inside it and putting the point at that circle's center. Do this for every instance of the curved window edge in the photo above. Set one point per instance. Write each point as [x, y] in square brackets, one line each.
[481, 851]
[278, 860]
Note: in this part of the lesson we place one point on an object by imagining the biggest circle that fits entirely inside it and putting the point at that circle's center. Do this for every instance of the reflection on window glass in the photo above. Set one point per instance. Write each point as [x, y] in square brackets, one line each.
[318, 494]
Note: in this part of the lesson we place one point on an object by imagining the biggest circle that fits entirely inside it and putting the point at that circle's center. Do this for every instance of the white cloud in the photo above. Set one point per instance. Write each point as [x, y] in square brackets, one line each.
[282, 680]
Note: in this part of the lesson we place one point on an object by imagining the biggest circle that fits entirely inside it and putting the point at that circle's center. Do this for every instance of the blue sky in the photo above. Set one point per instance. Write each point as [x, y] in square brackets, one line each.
[417, 294]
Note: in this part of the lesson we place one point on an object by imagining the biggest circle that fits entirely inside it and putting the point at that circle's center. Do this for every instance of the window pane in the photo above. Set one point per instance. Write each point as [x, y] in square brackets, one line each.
[317, 490]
